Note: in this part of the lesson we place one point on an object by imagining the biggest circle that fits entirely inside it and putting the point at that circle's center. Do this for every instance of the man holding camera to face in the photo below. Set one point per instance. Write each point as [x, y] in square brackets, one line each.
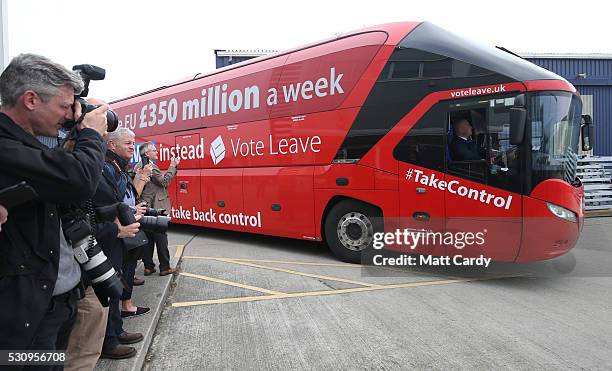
[155, 193]
[39, 275]
[116, 186]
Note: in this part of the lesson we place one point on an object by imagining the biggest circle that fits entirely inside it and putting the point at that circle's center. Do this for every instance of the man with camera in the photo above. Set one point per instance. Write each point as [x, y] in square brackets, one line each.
[39, 275]
[116, 186]
[155, 193]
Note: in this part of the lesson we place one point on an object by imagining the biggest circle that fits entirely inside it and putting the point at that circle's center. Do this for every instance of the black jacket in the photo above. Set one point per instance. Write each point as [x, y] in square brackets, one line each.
[463, 150]
[108, 193]
[29, 240]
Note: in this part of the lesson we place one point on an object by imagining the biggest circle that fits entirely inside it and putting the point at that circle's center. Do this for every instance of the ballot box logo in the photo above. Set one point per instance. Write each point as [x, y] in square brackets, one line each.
[217, 150]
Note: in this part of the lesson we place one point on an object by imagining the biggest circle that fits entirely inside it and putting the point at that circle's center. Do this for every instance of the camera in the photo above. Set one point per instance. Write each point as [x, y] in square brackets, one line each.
[156, 212]
[155, 220]
[105, 280]
[90, 72]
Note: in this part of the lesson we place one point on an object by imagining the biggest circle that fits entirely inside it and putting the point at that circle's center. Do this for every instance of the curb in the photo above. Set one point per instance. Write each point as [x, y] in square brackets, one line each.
[153, 294]
[598, 213]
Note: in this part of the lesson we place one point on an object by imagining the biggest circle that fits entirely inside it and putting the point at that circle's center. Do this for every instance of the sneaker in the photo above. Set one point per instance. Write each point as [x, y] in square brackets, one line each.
[120, 352]
[139, 312]
[149, 271]
[168, 271]
[130, 337]
[138, 281]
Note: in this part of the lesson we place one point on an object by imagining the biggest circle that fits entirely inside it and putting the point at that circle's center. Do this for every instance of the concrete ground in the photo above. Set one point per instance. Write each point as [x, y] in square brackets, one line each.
[255, 302]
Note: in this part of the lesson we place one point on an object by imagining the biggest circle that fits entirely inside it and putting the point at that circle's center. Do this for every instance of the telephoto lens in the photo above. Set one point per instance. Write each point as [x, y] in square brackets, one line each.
[104, 279]
[155, 212]
[158, 224]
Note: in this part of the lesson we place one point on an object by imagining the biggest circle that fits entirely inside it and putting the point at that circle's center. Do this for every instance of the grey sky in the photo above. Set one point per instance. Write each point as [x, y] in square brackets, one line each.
[144, 44]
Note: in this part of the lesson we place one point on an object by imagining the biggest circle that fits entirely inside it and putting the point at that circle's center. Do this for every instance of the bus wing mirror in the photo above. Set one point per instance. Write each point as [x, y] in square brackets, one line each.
[518, 116]
[588, 133]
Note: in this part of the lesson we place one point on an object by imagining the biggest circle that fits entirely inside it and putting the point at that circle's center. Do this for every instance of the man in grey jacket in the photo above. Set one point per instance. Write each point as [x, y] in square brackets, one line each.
[155, 193]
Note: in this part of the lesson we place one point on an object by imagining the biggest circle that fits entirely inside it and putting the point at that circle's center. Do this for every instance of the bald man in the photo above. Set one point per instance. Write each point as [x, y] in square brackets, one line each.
[462, 147]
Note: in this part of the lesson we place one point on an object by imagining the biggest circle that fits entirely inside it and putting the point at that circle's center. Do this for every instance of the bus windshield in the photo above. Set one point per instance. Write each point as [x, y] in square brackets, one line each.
[555, 127]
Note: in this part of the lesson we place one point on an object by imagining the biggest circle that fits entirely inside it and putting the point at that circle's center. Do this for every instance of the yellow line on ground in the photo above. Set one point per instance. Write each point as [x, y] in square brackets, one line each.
[318, 293]
[179, 251]
[297, 273]
[277, 261]
[230, 283]
[341, 265]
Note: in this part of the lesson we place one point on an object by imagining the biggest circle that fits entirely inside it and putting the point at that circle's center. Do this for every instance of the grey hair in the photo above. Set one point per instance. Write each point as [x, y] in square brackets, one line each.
[116, 135]
[145, 147]
[37, 73]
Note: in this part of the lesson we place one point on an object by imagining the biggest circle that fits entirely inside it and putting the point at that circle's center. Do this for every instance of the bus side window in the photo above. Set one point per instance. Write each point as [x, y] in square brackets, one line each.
[423, 145]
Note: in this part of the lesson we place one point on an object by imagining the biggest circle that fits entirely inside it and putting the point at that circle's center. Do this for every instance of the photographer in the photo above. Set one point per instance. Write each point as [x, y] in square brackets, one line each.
[40, 277]
[155, 193]
[116, 186]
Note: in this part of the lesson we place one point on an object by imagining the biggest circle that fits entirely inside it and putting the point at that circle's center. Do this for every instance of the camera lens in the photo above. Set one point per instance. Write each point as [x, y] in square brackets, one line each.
[104, 278]
[155, 212]
[154, 223]
[112, 121]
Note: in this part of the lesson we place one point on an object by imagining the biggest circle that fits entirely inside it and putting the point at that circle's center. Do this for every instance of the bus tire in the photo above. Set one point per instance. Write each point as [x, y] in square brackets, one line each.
[349, 229]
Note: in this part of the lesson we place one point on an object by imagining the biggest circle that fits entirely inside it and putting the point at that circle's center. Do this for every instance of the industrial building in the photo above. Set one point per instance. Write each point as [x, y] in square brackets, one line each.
[591, 74]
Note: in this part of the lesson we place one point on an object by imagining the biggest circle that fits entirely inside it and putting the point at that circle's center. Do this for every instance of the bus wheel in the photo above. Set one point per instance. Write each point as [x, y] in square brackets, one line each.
[350, 228]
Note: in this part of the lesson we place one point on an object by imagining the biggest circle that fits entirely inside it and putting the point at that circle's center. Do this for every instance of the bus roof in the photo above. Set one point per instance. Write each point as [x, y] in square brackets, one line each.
[395, 31]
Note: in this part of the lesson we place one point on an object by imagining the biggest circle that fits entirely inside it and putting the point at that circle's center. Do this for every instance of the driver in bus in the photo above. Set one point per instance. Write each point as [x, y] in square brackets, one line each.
[462, 147]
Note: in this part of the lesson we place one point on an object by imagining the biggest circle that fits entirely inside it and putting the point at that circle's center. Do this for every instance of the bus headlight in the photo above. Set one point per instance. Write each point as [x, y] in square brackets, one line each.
[562, 212]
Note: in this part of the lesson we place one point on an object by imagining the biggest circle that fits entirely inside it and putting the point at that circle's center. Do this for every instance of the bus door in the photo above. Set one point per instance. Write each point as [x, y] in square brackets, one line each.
[190, 148]
[483, 194]
[421, 163]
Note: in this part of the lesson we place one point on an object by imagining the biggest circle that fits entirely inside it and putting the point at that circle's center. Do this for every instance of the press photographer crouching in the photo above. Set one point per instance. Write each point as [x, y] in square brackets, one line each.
[40, 277]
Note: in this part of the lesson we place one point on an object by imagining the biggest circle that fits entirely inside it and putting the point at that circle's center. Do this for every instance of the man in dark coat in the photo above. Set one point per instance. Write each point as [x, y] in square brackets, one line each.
[37, 97]
[112, 189]
[462, 147]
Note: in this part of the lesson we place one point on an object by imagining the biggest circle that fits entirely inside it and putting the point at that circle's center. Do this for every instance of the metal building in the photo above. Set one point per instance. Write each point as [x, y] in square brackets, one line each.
[591, 74]
[227, 57]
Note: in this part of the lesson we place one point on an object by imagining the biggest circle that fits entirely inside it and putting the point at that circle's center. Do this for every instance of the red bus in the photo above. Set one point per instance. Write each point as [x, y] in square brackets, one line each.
[342, 139]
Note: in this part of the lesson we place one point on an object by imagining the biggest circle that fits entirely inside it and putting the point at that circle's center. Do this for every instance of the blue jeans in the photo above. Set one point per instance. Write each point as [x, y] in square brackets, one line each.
[54, 330]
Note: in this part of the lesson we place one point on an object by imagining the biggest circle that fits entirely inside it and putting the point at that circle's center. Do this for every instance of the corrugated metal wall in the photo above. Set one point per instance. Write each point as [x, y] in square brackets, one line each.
[226, 61]
[591, 77]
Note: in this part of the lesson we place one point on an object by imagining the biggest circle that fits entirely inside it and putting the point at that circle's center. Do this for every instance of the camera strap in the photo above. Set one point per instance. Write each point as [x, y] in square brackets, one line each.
[80, 119]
